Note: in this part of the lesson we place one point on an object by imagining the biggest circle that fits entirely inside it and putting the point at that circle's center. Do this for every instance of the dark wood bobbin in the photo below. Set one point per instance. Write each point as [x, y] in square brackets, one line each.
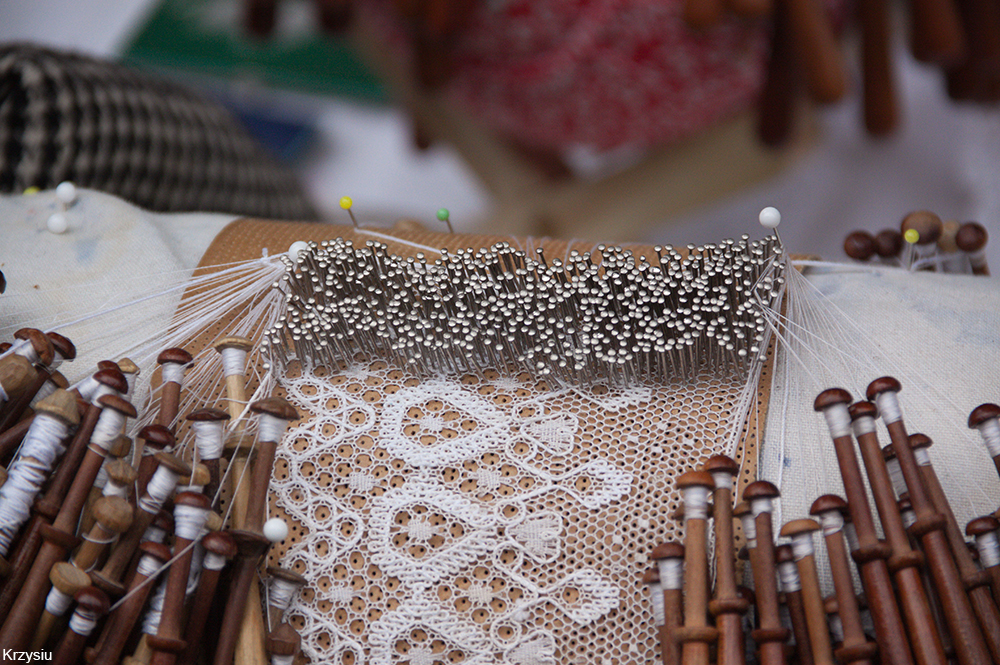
[190, 512]
[727, 607]
[63, 349]
[927, 225]
[967, 638]
[219, 548]
[696, 636]
[791, 589]
[234, 351]
[209, 436]
[871, 554]
[152, 439]
[173, 363]
[856, 648]
[283, 586]
[904, 562]
[859, 245]
[37, 346]
[986, 530]
[115, 635]
[251, 546]
[669, 559]
[888, 245]
[66, 580]
[168, 470]
[976, 581]
[770, 635]
[971, 239]
[283, 644]
[275, 414]
[59, 537]
[802, 549]
[986, 419]
[91, 605]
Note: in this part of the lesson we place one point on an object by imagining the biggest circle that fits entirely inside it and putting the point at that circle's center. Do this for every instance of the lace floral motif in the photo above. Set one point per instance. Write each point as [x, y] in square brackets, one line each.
[481, 520]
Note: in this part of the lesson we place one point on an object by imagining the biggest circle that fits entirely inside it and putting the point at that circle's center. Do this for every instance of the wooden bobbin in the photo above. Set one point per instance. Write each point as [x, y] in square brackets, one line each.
[696, 636]
[190, 511]
[63, 349]
[284, 585]
[904, 562]
[168, 470]
[16, 374]
[669, 559]
[91, 605]
[173, 363]
[251, 547]
[791, 589]
[888, 245]
[651, 580]
[986, 419]
[986, 530]
[17, 629]
[219, 549]
[113, 516]
[66, 580]
[727, 607]
[800, 532]
[119, 447]
[859, 245]
[771, 635]
[871, 554]
[209, 432]
[119, 626]
[976, 581]
[283, 644]
[856, 648]
[152, 439]
[233, 351]
[971, 239]
[927, 227]
[970, 646]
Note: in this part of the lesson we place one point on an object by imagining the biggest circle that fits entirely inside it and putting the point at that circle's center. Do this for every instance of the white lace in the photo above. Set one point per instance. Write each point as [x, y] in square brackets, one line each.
[484, 515]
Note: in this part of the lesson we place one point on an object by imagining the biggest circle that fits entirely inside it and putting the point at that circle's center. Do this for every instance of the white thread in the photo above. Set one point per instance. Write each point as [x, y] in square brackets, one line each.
[108, 428]
[832, 522]
[99, 391]
[749, 529]
[281, 593]
[723, 480]
[977, 258]
[148, 565]
[909, 517]
[836, 627]
[115, 489]
[759, 507]
[989, 549]
[271, 428]
[45, 391]
[695, 503]
[922, 456]
[208, 437]
[282, 660]
[154, 534]
[851, 533]
[671, 573]
[802, 546]
[197, 489]
[173, 373]
[888, 405]
[213, 561]
[788, 574]
[151, 622]
[39, 450]
[86, 388]
[896, 476]
[3, 394]
[101, 480]
[158, 489]
[864, 425]
[990, 431]
[838, 419]
[656, 600]
[24, 348]
[234, 361]
[83, 621]
[188, 521]
[57, 602]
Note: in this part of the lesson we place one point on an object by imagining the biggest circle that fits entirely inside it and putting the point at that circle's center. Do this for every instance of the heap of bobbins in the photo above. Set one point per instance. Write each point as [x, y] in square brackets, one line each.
[928, 597]
[106, 562]
[924, 242]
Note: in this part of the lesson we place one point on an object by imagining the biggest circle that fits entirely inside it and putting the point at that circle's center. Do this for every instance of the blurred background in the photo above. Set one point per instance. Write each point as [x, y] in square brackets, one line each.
[348, 108]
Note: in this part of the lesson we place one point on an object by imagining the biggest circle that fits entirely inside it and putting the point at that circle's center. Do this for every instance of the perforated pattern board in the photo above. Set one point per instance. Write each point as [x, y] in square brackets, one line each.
[491, 518]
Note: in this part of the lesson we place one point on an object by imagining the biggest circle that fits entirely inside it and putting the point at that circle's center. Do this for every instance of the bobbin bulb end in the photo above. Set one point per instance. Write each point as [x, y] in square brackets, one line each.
[769, 217]
[275, 529]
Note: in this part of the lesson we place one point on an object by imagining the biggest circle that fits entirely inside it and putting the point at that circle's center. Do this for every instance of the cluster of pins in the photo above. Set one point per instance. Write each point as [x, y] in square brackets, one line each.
[924, 242]
[931, 597]
[606, 316]
[114, 550]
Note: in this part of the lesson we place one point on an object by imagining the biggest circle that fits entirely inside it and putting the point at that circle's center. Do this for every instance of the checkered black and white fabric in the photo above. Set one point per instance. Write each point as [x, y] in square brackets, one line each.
[151, 142]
